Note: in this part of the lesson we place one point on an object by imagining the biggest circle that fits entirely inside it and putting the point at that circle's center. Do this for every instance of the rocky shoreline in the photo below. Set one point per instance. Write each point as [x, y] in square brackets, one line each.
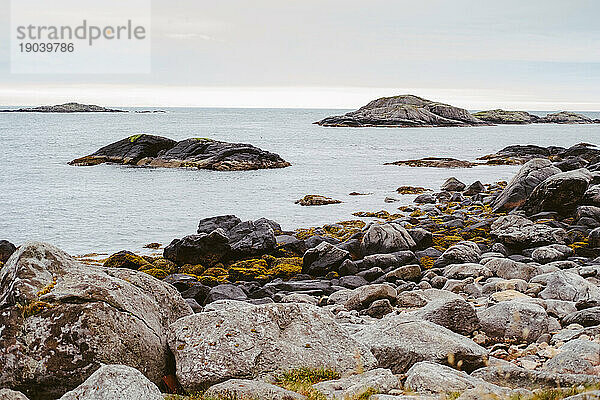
[197, 153]
[475, 291]
[407, 111]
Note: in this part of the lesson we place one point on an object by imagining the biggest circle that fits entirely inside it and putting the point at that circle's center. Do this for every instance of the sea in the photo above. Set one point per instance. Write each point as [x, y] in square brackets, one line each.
[107, 208]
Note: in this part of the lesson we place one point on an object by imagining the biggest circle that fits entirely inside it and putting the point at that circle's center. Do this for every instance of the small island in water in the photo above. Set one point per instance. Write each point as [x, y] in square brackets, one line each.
[406, 111]
[196, 153]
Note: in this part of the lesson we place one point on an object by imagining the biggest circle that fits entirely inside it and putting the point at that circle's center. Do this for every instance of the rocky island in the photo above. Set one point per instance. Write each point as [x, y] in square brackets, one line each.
[404, 111]
[67, 108]
[196, 153]
[412, 111]
[477, 291]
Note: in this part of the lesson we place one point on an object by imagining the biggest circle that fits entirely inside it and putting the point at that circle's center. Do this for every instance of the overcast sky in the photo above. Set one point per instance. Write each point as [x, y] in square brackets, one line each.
[535, 55]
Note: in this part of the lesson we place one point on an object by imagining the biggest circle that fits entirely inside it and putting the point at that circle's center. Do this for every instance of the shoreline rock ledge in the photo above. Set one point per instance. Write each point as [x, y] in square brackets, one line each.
[196, 153]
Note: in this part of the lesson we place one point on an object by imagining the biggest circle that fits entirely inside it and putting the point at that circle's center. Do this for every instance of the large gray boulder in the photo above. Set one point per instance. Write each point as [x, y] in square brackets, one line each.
[577, 356]
[428, 377]
[509, 269]
[519, 232]
[399, 342]
[462, 252]
[250, 389]
[259, 341]
[61, 319]
[386, 238]
[115, 382]
[514, 321]
[564, 285]
[454, 314]
[522, 184]
[561, 192]
[362, 297]
[7, 394]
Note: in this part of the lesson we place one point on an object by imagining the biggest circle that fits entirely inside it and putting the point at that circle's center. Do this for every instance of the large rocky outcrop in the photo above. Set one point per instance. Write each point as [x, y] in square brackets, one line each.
[522, 184]
[197, 153]
[561, 192]
[61, 319]
[404, 111]
[258, 341]
[567, 117]
[518, 232]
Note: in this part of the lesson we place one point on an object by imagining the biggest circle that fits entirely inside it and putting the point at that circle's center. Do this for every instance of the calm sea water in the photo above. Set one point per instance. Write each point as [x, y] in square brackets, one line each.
[109, 208]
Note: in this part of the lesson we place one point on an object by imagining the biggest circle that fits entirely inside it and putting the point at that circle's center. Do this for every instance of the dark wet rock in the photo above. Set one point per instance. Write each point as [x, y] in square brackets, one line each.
[205, 249]
[316, 240]
[474, 188]
[522, 184]
[514, 321]
[352, 281]
[64, 319]
[322, 259]
[398, 344]
[388, 261]
[6, 250]
[386, 238]
[181, 282]
[586, 317]
[316, 200]
[225, 292]
[560, 192]
[453, 185]
[594, 237]
[66, 108]
[252, 238]
[571, 163]
[225, 222]
[404, 111]
[291, 243]
[502, 117]
[261, 341]
[592, 196]
[518, 232]
[199, 153]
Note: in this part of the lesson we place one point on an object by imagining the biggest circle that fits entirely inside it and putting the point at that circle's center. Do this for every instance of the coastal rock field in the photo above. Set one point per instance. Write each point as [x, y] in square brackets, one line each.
[477, 291]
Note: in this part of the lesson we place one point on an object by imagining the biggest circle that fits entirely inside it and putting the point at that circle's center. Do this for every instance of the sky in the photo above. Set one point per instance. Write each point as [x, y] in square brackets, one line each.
[533, 55]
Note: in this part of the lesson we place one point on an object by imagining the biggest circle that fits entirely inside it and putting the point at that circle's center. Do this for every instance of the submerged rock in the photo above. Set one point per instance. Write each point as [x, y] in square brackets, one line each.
[404, 111]
[316, 200]
[199, 153]
[62, 319]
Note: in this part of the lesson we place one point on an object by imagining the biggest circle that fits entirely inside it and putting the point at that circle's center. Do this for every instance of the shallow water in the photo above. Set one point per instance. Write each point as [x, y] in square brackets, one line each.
[108, 208]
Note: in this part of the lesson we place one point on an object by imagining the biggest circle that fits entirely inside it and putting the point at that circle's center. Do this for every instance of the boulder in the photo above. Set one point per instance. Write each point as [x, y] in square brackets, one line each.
[316, 200]
[252, 238]
[551, 253]
[586, 317]
[518, 232]
[322, 259]
[563, 285]
[62, 319]
[250, 389]
[462, 252]
[577, 356]
[398, 343]
[453, 185]
[514, 321]
[420, 298]
[362, 297]
[386, 238]
[406, 273]
[522, 184]
[196, 153]
[6, 250]
[463, 271]
[352, 387]
[509, 269]
[225, 292]
[115, 382]
[474, 188]
[7, 394]
[561, 192]
[594, 237]
[259, 341]
[454, 314]
[206, 249]
[591, 197]
[428, 377]
[225, 222]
